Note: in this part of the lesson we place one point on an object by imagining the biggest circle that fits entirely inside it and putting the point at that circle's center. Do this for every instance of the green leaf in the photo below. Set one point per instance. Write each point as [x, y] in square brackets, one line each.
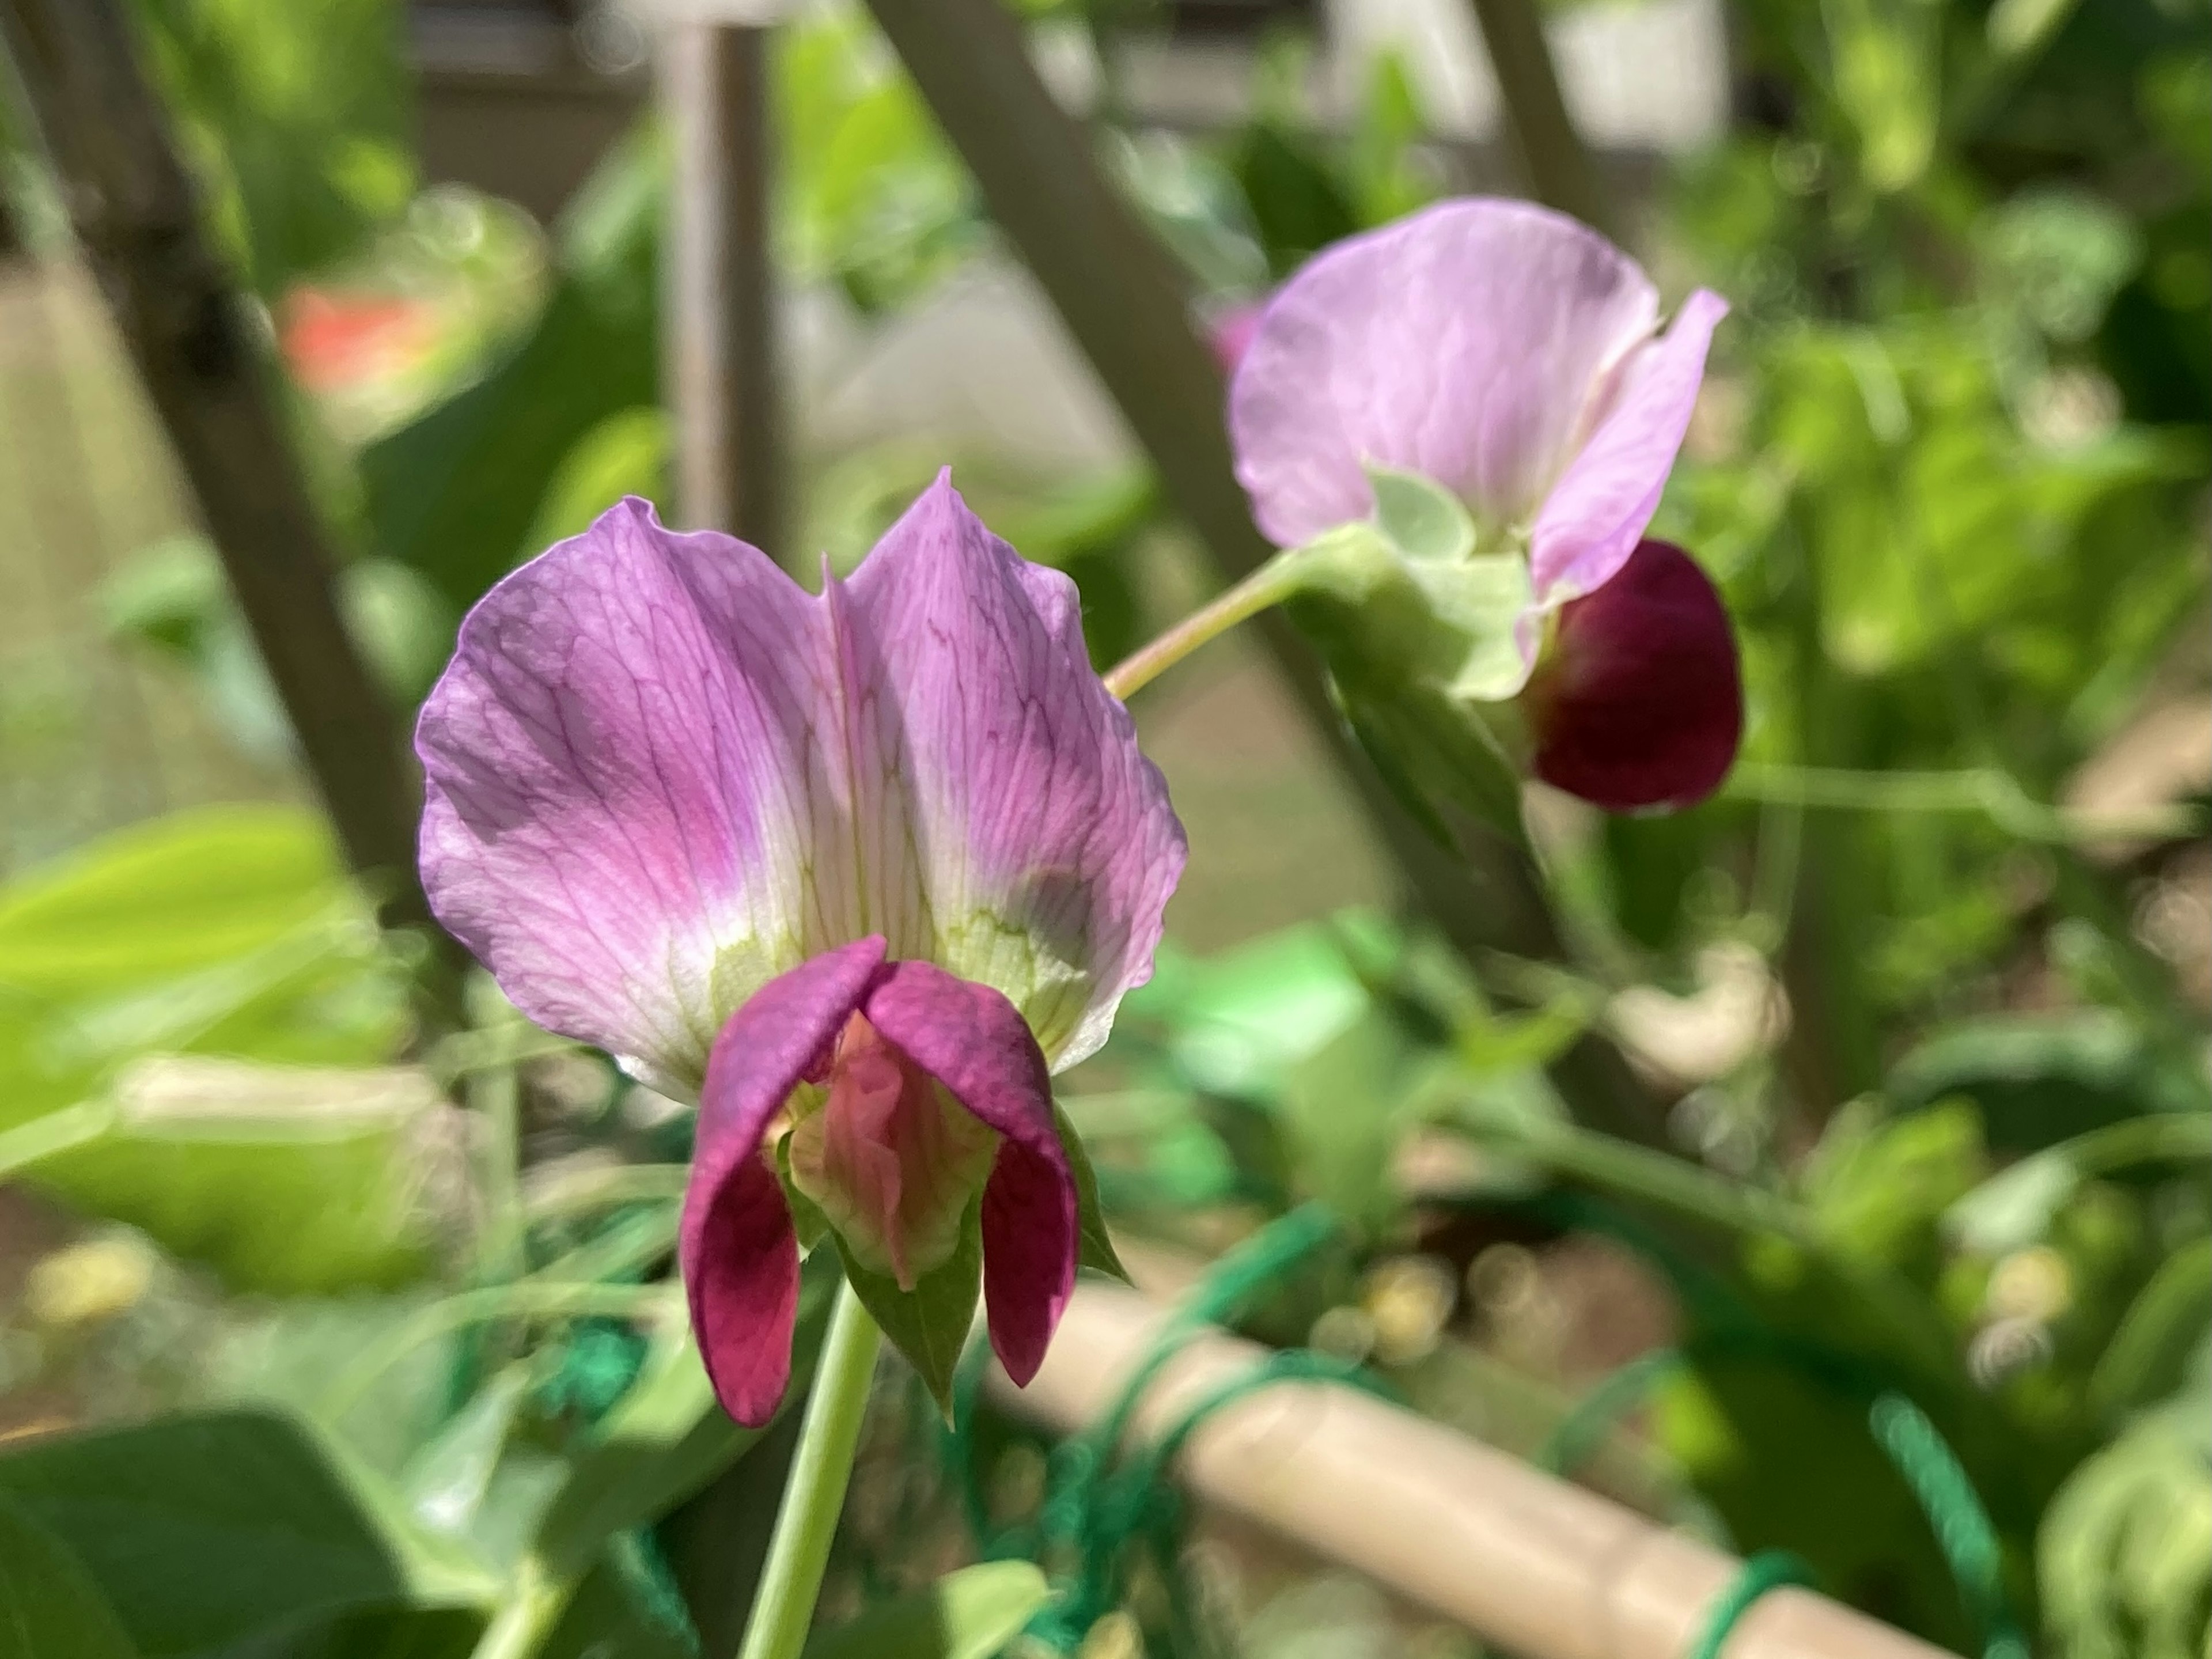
[969, 1614]
[286, 1180]
[128, 967]
[667, 1439]
[1345, 1109]
[1423, 520]
[456, 493]
[205, 1531]
[930, 1323]
[169, 898]
[50, 1608]
[2043, 1078]
[1094, 1245]
[1877, 1188]
[296, 117]
[447, 1480]
[625, 454]
[2165, 1328]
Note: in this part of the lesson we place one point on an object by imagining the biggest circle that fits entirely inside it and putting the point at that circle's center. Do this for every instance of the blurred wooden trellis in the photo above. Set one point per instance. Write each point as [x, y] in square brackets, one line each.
[1642, 1595]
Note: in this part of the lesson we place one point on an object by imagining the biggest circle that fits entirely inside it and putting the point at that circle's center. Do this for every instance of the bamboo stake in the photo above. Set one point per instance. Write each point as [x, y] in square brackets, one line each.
[720, 338]
[1562, 172]
[1122, 299]
[199, 353]
[1534, 1564]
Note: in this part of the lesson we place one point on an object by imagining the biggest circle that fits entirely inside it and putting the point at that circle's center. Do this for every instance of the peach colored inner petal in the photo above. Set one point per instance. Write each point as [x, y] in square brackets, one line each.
[892, 1158]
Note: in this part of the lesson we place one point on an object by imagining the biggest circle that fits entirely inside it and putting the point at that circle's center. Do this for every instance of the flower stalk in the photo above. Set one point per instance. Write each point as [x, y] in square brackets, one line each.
[814, 1496]
[1270, 585]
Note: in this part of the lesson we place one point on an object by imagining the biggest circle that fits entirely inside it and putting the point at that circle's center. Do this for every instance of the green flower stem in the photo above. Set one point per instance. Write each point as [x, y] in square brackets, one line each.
[1985, 789]
[820, 1471]
[532, 1607]
[1271, 584]
[496, 1093]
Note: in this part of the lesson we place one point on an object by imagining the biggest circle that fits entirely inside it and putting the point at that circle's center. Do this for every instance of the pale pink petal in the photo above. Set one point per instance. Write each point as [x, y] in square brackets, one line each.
[976, 1042]
[627, 788]
[735, 1246]
[1594, 517]
[1638, 704]
[1467, 342]
[1042, 843]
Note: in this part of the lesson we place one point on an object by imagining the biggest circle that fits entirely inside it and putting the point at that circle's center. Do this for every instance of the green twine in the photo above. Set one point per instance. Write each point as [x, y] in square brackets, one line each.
[1931, 1472]
[1768, 1570]
[1102, 1507]
[1940, 1486]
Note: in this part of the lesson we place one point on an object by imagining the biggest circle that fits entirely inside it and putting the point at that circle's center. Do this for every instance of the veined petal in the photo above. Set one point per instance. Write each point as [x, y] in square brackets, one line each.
[627, 781]
[1468, 342]
[976, 1043]
[739, 1253]
[1638, 704]
[1040, 841]
[1595, 514]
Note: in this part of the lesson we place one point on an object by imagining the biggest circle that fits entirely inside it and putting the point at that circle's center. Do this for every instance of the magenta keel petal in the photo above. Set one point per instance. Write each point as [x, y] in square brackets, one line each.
[739, 1255]
[974, 1042]
[1638, 703]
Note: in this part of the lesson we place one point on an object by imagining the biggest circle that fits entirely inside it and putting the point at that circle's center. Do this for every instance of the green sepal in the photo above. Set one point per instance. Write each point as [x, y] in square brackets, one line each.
[806, 1218]
[1424, 519]
[1095, 1247]
[930, 1323]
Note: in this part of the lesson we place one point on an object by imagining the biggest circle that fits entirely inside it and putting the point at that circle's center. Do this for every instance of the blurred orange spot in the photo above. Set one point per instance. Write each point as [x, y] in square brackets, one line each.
[333, 340]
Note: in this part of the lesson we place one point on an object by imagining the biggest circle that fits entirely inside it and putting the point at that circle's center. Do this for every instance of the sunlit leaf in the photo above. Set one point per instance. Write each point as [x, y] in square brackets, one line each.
[969, 1614]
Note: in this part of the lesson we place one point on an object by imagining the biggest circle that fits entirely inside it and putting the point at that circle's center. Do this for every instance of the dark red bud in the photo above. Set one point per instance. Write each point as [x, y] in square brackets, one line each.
[1638, 704]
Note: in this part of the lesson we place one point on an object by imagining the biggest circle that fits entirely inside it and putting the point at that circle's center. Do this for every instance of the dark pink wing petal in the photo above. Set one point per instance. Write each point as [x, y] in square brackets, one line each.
[1638, 704]
[974, 1042]
[739, 1253]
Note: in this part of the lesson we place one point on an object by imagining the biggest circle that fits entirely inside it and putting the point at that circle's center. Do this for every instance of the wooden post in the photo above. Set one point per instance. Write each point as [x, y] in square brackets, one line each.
[1562, 172]
[1532, 1564]
[719, 336]
[1122, 299]
[200, 352]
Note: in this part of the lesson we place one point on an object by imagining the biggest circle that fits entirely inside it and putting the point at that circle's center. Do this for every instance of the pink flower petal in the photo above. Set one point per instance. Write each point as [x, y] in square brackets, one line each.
[1468, 342]
[1638, 703]
[974, 1042]
[623, 766]
[1592, 519]
[1231, 334]
[739, 1253]
[1044, 845]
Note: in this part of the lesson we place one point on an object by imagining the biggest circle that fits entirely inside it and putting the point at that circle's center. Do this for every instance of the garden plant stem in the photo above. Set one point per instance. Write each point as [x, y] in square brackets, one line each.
[1271, 583]
[791, 1580]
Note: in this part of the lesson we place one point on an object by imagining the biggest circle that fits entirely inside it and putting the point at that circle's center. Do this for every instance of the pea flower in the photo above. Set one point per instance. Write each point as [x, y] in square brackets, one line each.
[1511, 356]
[856, 870]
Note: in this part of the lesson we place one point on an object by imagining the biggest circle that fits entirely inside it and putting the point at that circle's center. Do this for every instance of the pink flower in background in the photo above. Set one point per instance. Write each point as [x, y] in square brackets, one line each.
[856, 870]
[1513, 357]
[1230, 333]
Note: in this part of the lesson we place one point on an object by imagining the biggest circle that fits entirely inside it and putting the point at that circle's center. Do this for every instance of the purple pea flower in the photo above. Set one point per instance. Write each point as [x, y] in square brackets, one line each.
[856, 870]
[1513, 357]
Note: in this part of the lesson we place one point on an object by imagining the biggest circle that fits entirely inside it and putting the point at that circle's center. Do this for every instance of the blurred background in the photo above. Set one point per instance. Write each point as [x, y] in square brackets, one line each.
[1884, 1069]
